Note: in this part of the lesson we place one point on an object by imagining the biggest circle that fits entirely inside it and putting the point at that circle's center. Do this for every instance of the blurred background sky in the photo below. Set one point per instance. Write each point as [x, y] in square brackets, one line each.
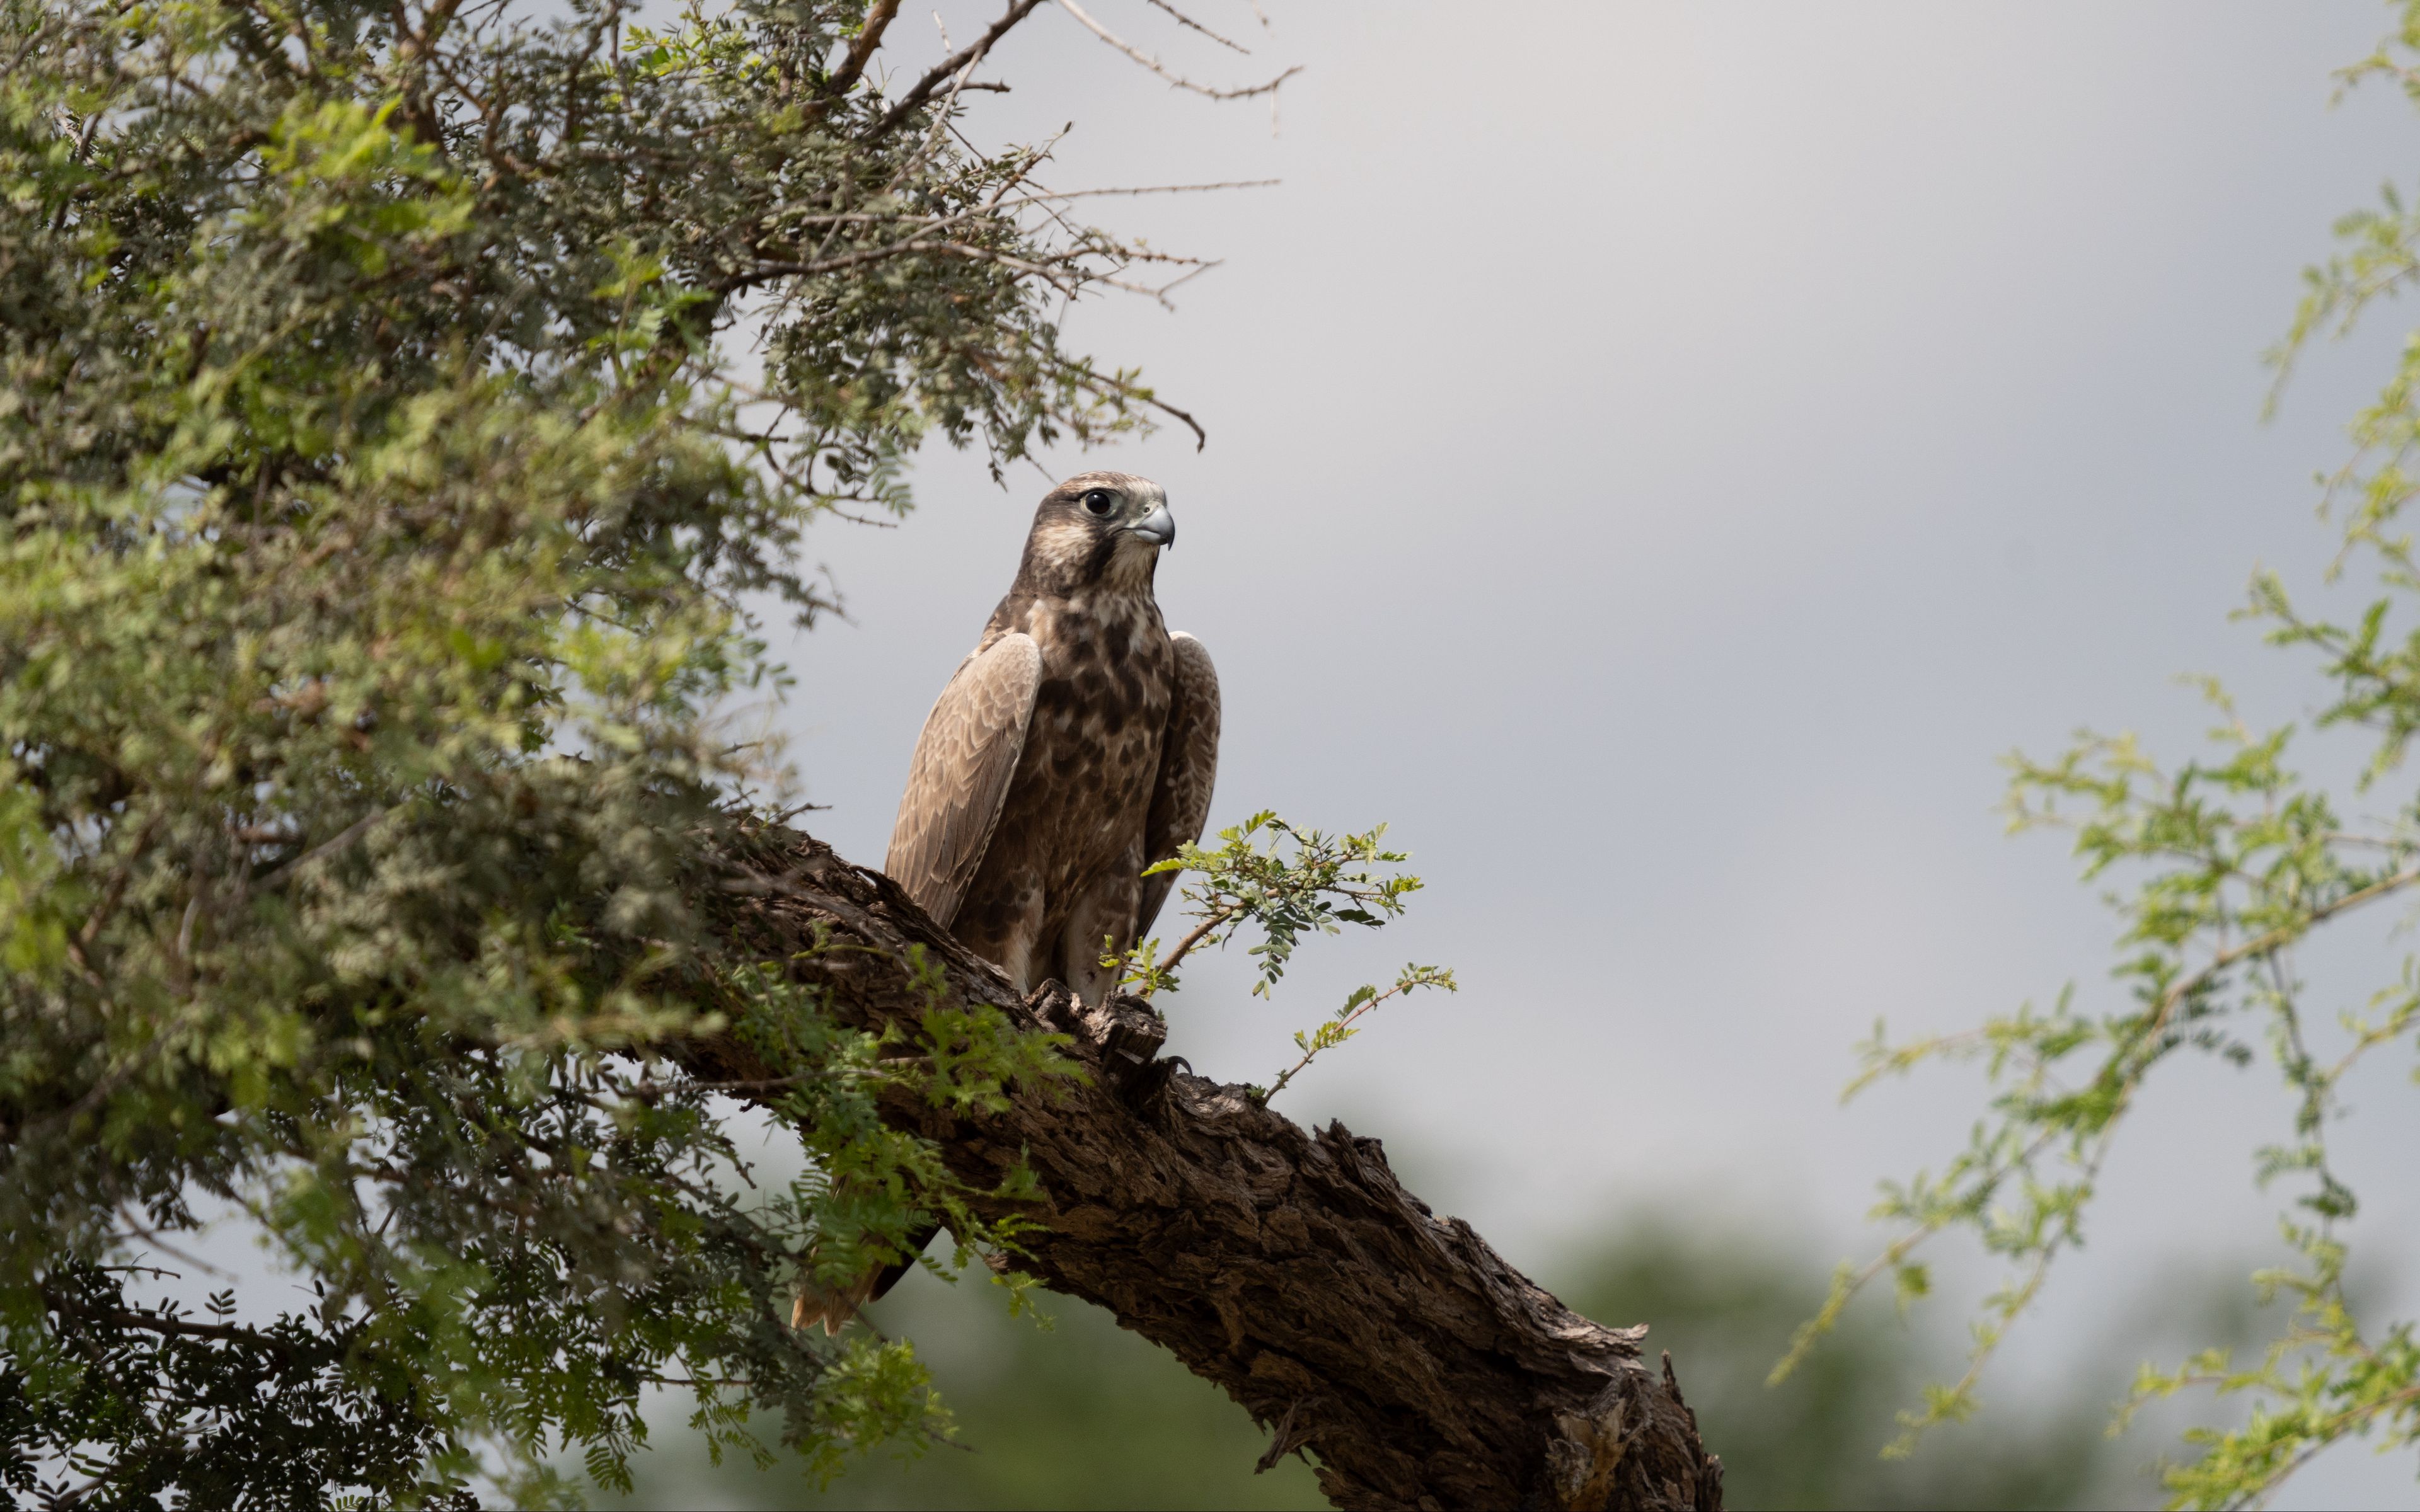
[1661, 457]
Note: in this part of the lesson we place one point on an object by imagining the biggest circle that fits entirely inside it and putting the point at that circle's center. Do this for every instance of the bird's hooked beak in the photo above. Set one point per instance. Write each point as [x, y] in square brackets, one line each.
[1158, 527]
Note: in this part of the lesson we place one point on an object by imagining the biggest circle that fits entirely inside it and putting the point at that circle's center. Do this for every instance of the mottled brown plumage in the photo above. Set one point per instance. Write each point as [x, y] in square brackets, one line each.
[1075, 747]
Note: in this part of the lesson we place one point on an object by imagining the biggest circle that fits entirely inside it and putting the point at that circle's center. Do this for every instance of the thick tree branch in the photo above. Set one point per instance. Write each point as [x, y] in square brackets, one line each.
[878, 17]
[1288, 1266]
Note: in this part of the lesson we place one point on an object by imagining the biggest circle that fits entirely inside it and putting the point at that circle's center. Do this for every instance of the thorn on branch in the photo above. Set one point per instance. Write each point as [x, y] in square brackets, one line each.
[1189, 23]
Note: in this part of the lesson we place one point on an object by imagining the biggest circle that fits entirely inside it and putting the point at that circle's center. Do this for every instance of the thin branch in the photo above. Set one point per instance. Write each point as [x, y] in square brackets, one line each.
[2283, 934]
[1200, 437]
[343, 837]
[1312, 1053]
[1187, 22]
[114, 892]
[1846, 1290]
[1201, 932]
[949, 67]
[144, 1233]
[764, 273]
[1056, 195]
[2262, 944]
[1157, 67]
[165, 1324]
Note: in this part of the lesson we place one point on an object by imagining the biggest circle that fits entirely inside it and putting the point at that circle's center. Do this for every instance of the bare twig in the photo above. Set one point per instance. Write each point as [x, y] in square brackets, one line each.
[1244, 92]
[1186, 21]
[144, 1233]
[1053, 196]
[1056, 277]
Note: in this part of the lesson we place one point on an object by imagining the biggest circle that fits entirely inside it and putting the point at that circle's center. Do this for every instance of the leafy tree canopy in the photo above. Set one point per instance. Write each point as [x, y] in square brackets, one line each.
[380, 512]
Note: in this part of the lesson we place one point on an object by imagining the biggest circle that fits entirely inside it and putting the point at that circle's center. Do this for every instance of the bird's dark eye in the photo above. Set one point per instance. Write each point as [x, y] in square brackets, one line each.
[1098, 501]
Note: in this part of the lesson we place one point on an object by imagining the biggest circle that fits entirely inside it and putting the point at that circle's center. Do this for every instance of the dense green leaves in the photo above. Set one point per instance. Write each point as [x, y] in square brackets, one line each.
[379, 518]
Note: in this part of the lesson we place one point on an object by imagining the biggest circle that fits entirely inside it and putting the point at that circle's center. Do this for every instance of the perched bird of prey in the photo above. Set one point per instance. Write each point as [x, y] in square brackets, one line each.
[1073, 748]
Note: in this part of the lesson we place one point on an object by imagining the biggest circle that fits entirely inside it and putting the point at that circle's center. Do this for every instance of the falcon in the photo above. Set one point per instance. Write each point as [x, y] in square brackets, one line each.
[1075, 747]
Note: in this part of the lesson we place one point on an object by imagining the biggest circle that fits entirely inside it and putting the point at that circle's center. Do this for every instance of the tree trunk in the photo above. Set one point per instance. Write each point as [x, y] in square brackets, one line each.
[1288, 1266]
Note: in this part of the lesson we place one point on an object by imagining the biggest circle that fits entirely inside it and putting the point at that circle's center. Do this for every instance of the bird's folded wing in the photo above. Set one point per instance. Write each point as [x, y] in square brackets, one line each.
[1188, 765]
[959, 777]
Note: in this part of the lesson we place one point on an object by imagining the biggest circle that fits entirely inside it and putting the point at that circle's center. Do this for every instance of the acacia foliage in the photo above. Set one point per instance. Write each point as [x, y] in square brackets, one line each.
[2223, 870]
[1288, 883]
[378, 514]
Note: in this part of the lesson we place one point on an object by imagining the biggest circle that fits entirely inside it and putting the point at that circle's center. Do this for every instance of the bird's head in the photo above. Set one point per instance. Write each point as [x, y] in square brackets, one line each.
[1098, 528]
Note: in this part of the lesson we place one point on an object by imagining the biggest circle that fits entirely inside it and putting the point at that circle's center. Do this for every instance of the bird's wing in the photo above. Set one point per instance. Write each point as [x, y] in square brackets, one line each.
[1188, 764]
[959, 777]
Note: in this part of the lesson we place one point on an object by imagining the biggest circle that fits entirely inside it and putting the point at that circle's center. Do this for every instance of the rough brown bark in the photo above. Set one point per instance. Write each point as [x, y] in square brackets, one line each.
[1288, 1266]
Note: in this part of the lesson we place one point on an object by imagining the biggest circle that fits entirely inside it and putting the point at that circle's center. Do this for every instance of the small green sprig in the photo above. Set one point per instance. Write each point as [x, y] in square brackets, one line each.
[1343, 1023]
[1290, 883]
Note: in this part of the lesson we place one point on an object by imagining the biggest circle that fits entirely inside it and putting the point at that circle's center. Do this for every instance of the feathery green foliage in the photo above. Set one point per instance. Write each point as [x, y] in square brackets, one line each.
[1299, 882]
[378, 512]
[2233, 860]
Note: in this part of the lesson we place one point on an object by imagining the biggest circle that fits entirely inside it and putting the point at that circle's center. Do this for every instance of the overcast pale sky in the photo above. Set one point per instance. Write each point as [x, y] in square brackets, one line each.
[1660, 458]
